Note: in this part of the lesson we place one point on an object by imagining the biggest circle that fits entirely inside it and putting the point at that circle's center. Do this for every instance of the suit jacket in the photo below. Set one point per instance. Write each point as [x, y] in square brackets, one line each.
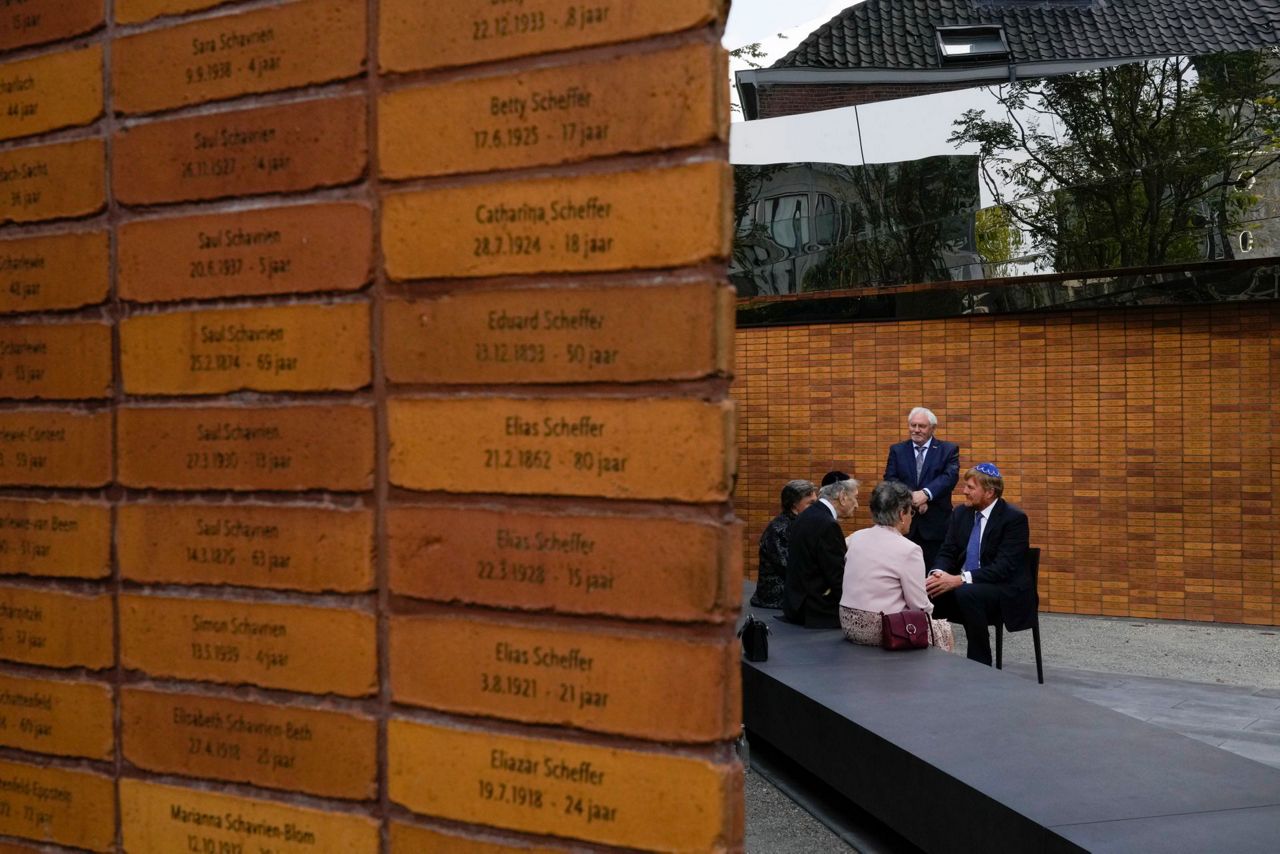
[1002, 558]
[939, 475]
[815, 569]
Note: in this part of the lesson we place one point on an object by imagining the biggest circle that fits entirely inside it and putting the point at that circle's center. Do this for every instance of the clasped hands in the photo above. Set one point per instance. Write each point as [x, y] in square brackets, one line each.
[920, 501]
[940, 582]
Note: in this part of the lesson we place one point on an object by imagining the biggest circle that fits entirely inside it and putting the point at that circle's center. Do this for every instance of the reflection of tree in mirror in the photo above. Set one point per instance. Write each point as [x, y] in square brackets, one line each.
[999, 242]
[1134, 165]
[824, 226]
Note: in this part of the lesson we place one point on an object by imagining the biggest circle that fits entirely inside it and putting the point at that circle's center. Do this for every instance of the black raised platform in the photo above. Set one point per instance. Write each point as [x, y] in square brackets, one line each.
[954, 756]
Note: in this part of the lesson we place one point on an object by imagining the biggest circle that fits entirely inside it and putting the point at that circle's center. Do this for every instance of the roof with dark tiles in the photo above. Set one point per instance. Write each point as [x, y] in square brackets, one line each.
[900, 34]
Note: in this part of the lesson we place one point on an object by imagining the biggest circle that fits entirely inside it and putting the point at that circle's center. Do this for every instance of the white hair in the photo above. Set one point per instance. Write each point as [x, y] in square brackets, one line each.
[920, 410]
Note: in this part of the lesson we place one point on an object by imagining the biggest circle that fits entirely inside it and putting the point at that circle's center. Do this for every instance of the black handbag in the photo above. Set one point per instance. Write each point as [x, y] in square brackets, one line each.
[755, 639]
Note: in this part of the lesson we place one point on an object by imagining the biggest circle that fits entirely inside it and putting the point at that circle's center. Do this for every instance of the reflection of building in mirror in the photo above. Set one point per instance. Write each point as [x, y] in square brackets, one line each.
[824, 226]
[998, 139]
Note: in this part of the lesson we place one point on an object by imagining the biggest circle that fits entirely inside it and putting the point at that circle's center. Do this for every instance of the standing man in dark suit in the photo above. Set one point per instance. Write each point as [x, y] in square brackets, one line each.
[929, 467]
[981, 573]
[815, 561]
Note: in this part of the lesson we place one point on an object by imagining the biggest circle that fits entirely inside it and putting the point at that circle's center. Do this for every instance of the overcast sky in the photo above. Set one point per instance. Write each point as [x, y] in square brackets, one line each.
[759, 20]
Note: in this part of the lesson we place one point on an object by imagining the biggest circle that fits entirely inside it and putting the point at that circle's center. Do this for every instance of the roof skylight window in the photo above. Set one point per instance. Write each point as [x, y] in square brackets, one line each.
[970, 44]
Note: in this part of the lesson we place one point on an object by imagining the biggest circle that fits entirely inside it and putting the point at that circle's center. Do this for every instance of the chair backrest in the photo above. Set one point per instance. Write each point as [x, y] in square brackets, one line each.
[1033, 566]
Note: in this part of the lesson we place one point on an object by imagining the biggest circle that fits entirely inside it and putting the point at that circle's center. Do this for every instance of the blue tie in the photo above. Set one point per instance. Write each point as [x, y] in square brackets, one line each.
[972, 557]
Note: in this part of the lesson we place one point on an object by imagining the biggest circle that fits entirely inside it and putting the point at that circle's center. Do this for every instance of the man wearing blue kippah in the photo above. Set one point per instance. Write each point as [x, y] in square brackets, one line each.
[981, 574]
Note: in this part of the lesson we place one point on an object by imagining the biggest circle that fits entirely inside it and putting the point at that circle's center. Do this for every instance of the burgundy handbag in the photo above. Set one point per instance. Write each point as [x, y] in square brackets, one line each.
[904, 630]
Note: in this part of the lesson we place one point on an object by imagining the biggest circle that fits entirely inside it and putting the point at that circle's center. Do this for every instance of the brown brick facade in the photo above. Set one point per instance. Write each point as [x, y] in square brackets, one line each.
[1140, 442]
[794, 98]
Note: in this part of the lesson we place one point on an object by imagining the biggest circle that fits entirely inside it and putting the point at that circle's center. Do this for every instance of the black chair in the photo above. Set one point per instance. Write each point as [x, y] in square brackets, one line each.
[1033, 564]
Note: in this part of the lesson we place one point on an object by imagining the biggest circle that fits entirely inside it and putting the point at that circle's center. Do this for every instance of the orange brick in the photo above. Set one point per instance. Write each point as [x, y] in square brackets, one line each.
[573, 563]
[313, 41]
[636, 448]
[137, 11]
[536, 785]
[46, 447]
[40, 21]
[65, 179]
[66, 361]
[66, 539]
[318, 751]
[602, 681]
[158, 818]
[274, 149]
[616, 334]
[414, 35]
[247, 448]
[53, 272]
[286, 348]
[253, 643]
[55, 629]
[83, 814]
[277, 250]
[549, 225]
[641, 102]
[59, 716]
[410, 839]
[56, 90]
[250, 545]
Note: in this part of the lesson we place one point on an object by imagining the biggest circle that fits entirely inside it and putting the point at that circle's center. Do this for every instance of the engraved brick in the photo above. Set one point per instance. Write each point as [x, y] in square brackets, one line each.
[40, 21]
[41, 447]
[156, 818]
[603, 681]
[573, 563]
[313, 41]
[549, 225]
[538, 785]
[317, 751]
[641, 102]
[55, 629]
[66, 179]
[254, 643]
[58, 805]
[55, 361]
[246, 448]
[410, 839]
[615, 334]
[251, 545]
[55, 538]
[54, 272]
[414, 35]
[53, 91]
[61, 717]
[276, 149]
[640, 448]
[278, 250]
[289, 348]
[137, 11]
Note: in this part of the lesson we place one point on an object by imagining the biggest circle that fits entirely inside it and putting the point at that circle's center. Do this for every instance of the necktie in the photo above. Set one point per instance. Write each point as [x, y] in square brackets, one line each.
[971, 555]
[919, 462]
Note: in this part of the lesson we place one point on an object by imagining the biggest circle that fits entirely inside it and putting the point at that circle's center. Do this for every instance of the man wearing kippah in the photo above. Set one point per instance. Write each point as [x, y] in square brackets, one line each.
[980, 574]
[815, 556]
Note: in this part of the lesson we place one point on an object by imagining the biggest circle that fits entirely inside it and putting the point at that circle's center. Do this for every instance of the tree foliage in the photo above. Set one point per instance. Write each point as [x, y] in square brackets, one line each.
[1133, 165]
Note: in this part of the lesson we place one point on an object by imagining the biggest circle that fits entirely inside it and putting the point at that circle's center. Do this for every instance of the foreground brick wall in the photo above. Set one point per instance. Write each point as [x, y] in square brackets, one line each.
[1141, 442]
[365, 448]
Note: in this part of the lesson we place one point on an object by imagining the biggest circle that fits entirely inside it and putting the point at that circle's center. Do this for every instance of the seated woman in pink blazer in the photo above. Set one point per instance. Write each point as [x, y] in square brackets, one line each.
[884, 571]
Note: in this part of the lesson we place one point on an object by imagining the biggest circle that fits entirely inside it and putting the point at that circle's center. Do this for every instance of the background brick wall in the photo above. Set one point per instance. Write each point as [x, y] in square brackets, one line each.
[1140, 442]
